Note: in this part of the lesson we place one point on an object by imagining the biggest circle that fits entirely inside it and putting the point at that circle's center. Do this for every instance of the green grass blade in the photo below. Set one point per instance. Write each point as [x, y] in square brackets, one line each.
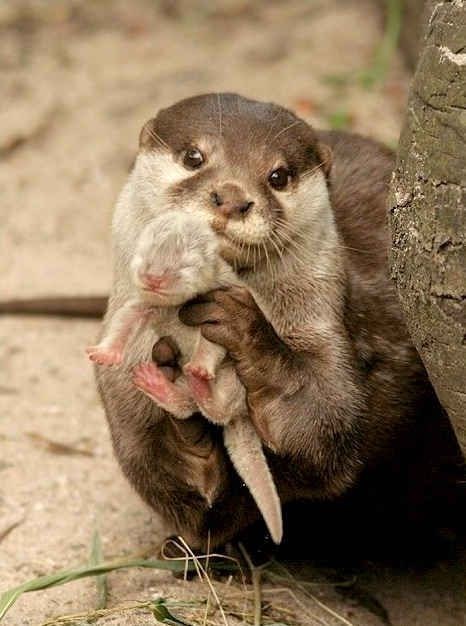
[96, 558]
[9, 597]
[163, 615]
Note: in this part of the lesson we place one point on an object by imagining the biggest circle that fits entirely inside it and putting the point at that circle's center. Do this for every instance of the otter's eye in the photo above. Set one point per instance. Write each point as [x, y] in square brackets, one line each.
[279, 178]
[193, 158]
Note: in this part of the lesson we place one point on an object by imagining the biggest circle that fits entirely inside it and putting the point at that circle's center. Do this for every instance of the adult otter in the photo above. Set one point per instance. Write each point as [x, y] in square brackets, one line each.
[334, 386]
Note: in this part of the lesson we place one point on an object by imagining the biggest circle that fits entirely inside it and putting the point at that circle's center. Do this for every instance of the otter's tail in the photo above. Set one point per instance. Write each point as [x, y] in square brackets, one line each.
[69, 306]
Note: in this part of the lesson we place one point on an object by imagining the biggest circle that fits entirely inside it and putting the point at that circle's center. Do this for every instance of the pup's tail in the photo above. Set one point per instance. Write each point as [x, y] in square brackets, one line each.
[246, 453]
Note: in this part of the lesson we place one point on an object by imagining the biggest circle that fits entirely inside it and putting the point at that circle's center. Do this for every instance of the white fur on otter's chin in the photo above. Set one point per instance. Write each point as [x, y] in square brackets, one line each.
[254, 229]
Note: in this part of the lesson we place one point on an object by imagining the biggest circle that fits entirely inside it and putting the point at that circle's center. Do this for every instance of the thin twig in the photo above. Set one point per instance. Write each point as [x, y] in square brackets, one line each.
[256, 576]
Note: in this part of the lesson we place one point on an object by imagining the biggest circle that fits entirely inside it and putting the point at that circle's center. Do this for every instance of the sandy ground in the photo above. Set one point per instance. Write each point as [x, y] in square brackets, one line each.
[77, 81]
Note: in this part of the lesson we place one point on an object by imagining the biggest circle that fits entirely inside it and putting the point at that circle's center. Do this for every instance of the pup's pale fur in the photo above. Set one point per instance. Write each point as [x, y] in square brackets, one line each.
[177, 258]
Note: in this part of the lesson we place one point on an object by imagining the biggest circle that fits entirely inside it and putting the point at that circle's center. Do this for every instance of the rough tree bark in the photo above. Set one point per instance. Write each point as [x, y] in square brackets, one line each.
[428, 214]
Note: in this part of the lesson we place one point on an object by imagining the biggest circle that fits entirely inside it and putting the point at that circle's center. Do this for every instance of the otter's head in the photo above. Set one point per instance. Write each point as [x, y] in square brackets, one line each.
[176, 258]
[253, 171]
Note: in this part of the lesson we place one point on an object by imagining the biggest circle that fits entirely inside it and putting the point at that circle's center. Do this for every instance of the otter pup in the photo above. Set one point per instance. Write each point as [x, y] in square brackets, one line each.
[333, 384]
[175, 260]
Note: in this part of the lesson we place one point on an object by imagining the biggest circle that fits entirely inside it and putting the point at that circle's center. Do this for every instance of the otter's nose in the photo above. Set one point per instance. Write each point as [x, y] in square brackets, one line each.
[230, 201]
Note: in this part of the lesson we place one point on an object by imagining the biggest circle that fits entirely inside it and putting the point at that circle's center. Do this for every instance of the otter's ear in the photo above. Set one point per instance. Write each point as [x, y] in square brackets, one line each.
[325, 155]
[146, 136]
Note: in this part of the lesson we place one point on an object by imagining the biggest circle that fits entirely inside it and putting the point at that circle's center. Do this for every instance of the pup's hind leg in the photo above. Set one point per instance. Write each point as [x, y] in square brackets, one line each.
[205, 360]
[172, 397]
[219, 400]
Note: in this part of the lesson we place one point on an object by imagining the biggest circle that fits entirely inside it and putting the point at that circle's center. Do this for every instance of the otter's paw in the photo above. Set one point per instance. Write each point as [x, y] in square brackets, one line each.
[105, 356]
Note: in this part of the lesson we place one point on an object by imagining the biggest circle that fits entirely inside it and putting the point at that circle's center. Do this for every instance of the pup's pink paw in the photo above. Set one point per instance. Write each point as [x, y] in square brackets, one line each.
[151, 380]
[105, 356]
[198, 371]
[199, 387]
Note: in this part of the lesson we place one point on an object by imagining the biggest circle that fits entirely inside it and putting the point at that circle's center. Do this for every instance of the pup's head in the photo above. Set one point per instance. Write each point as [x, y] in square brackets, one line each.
[176, 258]
[254, 171]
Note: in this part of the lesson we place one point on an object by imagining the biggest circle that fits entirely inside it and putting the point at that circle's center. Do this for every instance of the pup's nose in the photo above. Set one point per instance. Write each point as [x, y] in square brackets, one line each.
[154, 282]
[230, 201]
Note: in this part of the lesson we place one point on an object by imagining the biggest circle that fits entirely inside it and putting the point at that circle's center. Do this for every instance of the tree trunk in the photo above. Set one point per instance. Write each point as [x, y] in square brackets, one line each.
[428, 215]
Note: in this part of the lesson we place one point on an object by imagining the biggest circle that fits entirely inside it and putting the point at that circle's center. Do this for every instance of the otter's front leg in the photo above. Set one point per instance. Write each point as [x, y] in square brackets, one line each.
[305, 404]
